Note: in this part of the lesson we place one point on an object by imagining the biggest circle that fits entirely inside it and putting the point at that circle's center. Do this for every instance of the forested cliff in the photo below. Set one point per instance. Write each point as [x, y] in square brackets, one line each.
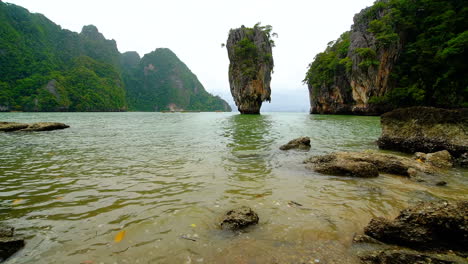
[397, 53]
[46, 68]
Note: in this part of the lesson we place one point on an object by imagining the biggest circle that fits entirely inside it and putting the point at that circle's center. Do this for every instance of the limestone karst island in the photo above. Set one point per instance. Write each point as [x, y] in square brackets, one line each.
[320, 132]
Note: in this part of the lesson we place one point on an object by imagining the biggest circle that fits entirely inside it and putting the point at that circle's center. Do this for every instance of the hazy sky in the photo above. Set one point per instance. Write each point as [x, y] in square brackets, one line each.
[195, 29]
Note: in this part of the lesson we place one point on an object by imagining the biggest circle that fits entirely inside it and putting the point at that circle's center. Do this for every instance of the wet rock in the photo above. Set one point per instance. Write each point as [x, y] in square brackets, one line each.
[298, 143]
[367, 164]
[403, 256]
[12, 126]
[250, 67]
[9, 245]
[334, 164]
[45, 126]
[441, 159]
[427, 226]
[425, 129]
[41, 126]
[239, 218]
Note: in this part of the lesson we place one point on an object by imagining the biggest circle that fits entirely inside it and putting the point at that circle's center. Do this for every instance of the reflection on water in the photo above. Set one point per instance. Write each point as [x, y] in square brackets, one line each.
[247, 164]
[162, 177]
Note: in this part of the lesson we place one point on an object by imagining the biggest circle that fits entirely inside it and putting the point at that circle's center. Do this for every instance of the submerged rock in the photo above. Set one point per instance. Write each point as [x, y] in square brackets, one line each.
[438, 225]
[367, 164]
[425, 129]
[298, 143]
[9, 245]
[41, 126]
[239, 218]
[251, 64]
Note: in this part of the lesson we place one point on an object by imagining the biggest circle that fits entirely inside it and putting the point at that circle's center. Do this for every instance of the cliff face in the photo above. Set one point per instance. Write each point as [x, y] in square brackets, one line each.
[397, 54]
[160, 81]
[362, 72]
[46, 68]
[251, 64]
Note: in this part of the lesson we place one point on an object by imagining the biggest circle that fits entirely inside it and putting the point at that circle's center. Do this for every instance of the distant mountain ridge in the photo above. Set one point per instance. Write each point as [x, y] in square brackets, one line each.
[46, 68]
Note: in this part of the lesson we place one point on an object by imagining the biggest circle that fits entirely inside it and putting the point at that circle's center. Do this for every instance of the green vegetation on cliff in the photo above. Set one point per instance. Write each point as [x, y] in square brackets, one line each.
[431, 39]
[46, 68]
[160, 81]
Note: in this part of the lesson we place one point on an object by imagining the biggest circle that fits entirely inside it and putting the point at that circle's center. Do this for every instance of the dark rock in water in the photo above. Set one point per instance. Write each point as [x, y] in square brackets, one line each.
[239, 218]
[12, 126]
[403, 256]
[298, 143]
[367, 164]
[9, 245]
[428, 226]
[425, 129]
[41, 126]
[441, 183]
[251, 64]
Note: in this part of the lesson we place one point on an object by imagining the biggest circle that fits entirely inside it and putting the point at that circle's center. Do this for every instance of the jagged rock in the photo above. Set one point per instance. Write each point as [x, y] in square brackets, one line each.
[239, 218]
[9, 245]
[251, 64]
[41, 126]
[367, 164]
[441, 159]
[425, 129]
[298, 143]
[438, 225]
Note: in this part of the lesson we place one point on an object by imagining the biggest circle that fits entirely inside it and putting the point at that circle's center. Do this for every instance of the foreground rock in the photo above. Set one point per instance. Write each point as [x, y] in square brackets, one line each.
[298, 143]
[404, 256]
[239, 218]
[368, 164]
[42, 126]
[425, 129]
[251, 64]
[430, 232]
[429, 226]
[9, 245]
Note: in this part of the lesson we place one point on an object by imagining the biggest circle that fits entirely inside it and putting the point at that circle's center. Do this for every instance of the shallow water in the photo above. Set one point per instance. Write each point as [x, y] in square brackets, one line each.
[160, 176]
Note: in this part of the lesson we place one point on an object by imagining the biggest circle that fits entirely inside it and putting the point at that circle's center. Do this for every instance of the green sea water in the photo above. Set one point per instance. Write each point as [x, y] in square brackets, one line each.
[161, 177]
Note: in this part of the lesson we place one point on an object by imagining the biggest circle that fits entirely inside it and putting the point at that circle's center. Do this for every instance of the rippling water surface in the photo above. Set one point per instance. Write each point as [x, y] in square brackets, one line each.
[162, 176]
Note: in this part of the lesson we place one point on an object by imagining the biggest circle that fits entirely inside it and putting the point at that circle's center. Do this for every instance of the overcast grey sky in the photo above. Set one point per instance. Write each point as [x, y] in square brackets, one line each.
[195, 29]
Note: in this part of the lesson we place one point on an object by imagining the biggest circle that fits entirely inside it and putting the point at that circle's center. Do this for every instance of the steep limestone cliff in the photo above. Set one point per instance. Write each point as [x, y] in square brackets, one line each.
[160, 81]
[251, 64]
[397, 54]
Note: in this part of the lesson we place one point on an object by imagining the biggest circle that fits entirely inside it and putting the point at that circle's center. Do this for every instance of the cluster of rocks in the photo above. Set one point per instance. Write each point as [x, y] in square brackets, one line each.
[431, 232]
[41, 126]
[371, 164]
[426, 129]
[9, 244]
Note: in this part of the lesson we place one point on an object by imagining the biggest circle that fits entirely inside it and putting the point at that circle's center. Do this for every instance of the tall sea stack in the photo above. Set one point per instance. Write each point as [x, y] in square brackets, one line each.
[251, 64]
